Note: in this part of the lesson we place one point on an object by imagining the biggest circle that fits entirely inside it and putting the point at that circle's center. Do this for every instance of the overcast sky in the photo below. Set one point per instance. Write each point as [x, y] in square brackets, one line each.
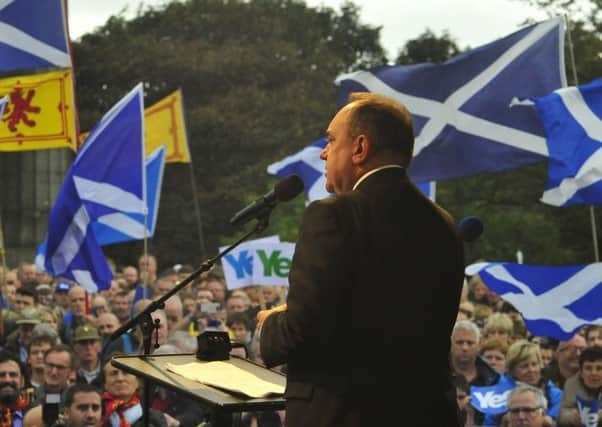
[471, 22]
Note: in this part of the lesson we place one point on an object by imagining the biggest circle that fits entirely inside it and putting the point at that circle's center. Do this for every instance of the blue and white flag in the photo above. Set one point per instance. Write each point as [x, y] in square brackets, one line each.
[467, 119]
[310, 168]
[107, 176]
[33, 34]
[588, 411]
[553, 301]
[492, 400]
[120, 226]
[572, 118]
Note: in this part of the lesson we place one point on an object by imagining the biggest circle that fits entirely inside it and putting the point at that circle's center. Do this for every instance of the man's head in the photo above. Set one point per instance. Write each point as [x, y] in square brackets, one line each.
[24, 298]
[464, 343]
[369, 132]
[61, 293]
[26, 321]
[120, 305]
[500, 326]
[173, 311]
[567, 355]
[147, 264]
[27, 273]
[86, 343]
[118, 383]
[590, 367]
[59, 363]
[82, 406]
[465, 311]
[77, 300]
[11, 379]
[43, 294]
[240, 325]
[593, 335]
[99, 305]
[236, 304]
[38, 347]
[218, 289]
[526, 406]
[107, 323]
[164, 285]
[130, 274]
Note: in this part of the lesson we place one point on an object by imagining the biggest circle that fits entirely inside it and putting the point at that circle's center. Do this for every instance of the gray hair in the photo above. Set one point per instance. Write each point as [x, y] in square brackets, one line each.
[467, 325]
[540, 399]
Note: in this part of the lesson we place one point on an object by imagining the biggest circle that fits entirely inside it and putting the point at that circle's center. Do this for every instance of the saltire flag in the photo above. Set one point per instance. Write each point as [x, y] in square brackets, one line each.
[120, 226]
[108, 175]
[553, 301]
[310, 168]
[33, 34]
[39, 113]
[467, 119]
[572, 118]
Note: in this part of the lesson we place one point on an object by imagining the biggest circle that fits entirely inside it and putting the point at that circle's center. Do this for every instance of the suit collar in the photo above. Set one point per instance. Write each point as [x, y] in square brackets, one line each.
[374, 171]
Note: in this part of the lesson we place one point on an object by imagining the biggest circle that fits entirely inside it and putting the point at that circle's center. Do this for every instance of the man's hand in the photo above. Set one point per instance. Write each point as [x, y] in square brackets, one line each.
[263, 314]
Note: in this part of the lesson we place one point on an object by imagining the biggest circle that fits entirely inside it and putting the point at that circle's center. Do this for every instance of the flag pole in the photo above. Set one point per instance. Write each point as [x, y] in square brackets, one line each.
[195, 197]
[592, 212]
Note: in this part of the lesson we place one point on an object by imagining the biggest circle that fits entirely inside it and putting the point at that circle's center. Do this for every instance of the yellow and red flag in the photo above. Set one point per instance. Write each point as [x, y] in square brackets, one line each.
[40, 112]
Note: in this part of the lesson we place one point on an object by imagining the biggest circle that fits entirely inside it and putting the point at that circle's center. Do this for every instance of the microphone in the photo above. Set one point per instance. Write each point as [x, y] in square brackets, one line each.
[285, 190]
[470, 228]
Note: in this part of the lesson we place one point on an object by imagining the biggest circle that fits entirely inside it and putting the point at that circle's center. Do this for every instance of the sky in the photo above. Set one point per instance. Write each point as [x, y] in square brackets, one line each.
[471, 22]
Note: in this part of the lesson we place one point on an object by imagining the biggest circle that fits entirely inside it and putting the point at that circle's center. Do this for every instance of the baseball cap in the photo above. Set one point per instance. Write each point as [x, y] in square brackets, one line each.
[29, 316]
[43, 289]
[63, 287]
[86, 332]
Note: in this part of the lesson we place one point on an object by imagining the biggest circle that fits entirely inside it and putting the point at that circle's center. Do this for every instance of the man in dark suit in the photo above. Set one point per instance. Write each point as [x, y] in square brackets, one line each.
[352, 361]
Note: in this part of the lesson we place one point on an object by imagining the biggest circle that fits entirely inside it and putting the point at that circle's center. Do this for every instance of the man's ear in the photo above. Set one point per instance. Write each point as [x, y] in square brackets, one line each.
[361, 150]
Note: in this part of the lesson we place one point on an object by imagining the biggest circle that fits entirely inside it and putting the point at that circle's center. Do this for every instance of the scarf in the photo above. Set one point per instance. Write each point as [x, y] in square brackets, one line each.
[7, 412]
[118, 406]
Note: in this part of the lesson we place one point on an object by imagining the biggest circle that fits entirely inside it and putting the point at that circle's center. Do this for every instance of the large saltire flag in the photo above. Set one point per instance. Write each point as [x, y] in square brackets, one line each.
[466, 112]
[33, 34]
[164, 125]
[40, 112]
[310, 168]
[572, 118]
[120, 226]
[554, 301]
[107, 176]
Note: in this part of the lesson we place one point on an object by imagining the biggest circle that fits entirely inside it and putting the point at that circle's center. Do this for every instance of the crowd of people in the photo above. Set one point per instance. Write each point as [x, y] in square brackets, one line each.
[56, 344]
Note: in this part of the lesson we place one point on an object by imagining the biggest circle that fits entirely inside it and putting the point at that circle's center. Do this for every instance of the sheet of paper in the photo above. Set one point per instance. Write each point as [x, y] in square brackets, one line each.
[227, 376]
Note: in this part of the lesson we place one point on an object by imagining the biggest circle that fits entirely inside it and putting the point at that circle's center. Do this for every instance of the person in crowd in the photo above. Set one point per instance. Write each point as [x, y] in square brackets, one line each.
[131, 276]
[500, 326]
[147, 266]
[13, 403]
[465, 360]
[122, 407]
[271, 296]
[217, 287]
[477, 291]
[61, 296]
[25, 297]
[188, 302]
[567, 360]
[547, 347]
[481, 314]
[593, 336]
[378, 229]
[86, 344]
[107, 323]
[43, 295]
[76, 316]
[465, 410]
[18, 342]
[9, 292]
[236, 303]
[82, 407]
[493, 351]
[38, 346]
[162, 286]
[27, 274]
[59, 365]
[465, 311]
[48, 317]
[242, 328]
[587, 384]
[526, 407]
[173, 313]
[12, 278]
[121, 305]
[99, 306]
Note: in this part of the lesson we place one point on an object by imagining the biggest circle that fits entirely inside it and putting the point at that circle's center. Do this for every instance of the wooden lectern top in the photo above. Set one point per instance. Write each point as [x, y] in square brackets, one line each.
[153, 368]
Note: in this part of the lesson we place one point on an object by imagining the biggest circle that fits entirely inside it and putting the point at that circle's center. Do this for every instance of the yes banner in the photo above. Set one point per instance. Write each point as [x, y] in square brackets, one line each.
[40, 112]
[492, 399]
[588, 411]
[265, 261]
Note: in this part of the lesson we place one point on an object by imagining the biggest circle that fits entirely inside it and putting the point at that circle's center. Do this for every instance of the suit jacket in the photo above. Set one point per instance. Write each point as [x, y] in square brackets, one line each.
[374, 290]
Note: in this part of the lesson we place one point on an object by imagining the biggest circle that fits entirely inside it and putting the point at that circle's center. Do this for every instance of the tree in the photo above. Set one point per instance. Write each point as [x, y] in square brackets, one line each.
[427, 47]
[257, 83]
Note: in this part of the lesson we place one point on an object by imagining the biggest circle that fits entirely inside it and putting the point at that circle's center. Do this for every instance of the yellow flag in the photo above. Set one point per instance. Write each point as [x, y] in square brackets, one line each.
[40, 112]
[164, 125]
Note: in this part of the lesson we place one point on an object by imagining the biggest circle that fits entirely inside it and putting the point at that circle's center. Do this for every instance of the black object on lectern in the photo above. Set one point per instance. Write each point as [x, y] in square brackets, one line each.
[213, 345]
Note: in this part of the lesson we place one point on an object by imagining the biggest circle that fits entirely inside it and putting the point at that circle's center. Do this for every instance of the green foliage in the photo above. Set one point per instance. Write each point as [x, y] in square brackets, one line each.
[427, 47]
[257, 79]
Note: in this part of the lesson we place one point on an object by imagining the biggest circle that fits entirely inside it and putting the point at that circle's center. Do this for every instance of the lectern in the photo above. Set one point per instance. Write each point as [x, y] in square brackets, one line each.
[221, 403]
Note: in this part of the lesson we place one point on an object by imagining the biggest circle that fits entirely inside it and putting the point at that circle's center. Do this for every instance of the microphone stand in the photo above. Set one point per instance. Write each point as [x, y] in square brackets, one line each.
[145, 321]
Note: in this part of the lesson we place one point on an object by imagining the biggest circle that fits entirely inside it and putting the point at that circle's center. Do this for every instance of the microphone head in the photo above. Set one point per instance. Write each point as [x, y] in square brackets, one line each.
[470, 228]
[288, 188]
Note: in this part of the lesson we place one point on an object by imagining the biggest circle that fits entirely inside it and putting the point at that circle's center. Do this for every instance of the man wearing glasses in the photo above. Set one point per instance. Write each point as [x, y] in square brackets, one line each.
[526, 407]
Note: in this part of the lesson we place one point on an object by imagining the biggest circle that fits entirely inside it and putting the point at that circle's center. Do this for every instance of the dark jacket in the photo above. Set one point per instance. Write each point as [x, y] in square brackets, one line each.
[342, 350]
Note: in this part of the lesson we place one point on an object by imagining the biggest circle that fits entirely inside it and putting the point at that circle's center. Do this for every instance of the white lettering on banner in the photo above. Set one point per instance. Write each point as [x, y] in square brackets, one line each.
[491, 399]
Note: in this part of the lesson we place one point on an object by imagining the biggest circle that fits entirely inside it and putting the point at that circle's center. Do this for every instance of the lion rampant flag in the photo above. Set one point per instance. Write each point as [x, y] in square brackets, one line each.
[40, 112]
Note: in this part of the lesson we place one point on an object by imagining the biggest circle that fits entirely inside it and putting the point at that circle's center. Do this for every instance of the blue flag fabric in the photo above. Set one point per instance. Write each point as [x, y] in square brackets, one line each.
[572, 118]
[491, 400]
[553, 301]
[120, 226]
[33, 34]
[588, 411]
[310, 168]
[107, 176]
[3, 101]
[466, 113]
